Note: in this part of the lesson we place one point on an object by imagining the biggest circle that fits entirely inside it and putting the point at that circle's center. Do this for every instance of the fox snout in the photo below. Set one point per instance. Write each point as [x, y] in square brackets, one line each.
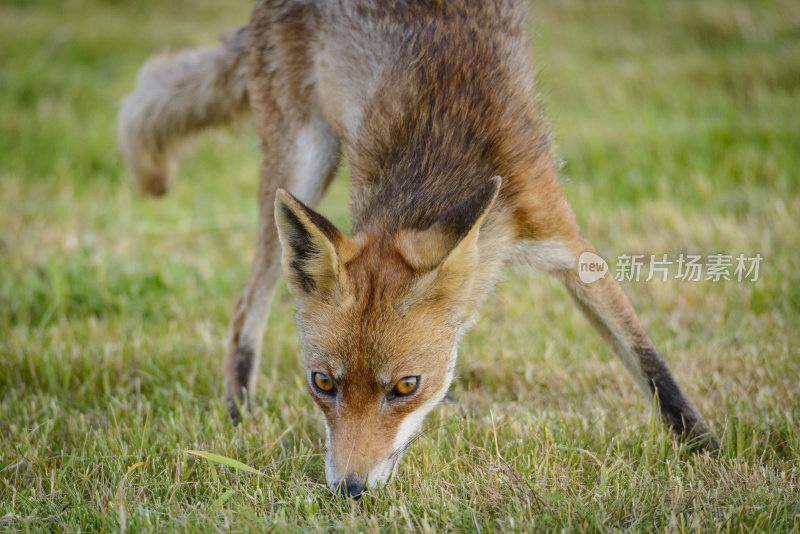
[354, 463]
[350, 486]
[352, 481]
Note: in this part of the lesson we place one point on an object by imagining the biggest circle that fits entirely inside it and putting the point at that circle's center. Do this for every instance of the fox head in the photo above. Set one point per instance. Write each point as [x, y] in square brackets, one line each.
[379, 317]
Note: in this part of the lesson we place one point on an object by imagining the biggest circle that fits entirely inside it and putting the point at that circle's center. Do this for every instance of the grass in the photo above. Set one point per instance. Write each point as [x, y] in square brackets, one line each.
[678, 124]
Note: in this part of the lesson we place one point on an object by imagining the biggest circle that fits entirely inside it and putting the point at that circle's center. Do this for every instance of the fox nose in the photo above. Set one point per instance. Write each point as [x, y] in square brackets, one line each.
[350, 486]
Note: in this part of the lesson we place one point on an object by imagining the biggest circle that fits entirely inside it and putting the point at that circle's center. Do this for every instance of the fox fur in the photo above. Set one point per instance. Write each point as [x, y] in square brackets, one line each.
[452, 176]
[176, 95]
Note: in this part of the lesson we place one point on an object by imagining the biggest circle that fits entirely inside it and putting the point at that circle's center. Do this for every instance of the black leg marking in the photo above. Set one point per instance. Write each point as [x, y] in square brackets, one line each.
[244, 364]
[242, 369]
[233, 410]
[675, 409]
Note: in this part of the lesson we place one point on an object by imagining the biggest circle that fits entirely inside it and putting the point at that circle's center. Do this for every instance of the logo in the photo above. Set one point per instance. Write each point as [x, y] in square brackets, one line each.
[591, 267]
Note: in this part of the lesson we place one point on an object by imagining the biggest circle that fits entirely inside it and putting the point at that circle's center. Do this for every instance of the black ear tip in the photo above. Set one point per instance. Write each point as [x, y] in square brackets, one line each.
[491, 188]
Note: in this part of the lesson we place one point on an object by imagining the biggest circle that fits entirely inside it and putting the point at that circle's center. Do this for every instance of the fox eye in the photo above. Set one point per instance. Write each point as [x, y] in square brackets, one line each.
[322, 382]
[406, 386]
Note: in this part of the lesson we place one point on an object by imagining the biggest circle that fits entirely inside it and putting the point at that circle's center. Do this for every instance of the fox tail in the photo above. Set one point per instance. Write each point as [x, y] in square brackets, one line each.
[177, 95]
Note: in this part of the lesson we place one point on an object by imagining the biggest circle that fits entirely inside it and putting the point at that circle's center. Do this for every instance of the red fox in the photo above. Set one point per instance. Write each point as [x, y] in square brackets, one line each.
[452, 176]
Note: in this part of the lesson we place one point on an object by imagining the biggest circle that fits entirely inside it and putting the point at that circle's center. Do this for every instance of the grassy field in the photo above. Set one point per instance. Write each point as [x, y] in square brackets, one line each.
[679, 125]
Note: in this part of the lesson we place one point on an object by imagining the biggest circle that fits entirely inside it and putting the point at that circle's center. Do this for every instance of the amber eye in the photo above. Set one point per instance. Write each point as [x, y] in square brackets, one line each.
[322, 382]
[406, 386]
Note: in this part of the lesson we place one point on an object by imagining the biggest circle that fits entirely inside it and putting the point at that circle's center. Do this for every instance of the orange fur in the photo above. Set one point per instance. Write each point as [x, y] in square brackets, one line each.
[430, 101]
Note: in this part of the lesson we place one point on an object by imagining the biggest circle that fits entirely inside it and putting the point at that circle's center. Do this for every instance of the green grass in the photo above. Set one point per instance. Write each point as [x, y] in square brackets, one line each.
[679, 127]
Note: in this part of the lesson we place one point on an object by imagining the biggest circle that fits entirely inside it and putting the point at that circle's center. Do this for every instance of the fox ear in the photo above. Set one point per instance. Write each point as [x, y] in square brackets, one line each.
[451, 241]
[311, 247]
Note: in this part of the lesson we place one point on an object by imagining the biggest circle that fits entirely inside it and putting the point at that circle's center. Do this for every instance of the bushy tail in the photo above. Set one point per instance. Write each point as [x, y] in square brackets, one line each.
[178, 94]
